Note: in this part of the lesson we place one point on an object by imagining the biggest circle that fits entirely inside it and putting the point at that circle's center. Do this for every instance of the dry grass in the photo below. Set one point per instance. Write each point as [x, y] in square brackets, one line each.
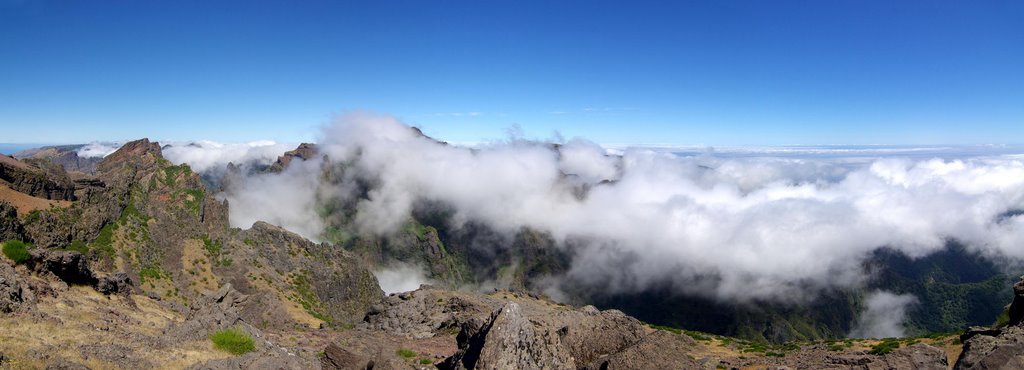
[25, 203]
[82, 316]
[197, 266]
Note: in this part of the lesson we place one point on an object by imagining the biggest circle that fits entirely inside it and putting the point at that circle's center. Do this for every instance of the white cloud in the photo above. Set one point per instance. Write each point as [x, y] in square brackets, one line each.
[883, 315]
[401, 278]
[287, 199]
[98, 149]
[732, 228]
[205, 155]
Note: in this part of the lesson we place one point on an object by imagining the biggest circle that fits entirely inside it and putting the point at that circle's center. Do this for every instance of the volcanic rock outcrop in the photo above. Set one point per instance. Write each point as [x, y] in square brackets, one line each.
[997, 348]
[37, 178]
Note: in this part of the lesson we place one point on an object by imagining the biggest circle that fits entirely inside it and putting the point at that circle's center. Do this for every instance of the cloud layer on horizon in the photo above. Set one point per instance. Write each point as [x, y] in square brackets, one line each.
[734, 229]
[205, 155]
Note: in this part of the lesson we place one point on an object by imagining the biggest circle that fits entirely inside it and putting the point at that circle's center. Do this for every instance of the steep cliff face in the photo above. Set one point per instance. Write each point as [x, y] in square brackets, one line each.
[38, 178]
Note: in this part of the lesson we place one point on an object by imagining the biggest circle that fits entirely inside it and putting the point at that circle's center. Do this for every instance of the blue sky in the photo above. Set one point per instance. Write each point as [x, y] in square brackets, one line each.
[647, 72]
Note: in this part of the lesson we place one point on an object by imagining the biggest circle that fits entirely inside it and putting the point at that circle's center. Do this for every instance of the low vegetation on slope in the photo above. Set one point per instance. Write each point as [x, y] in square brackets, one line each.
[16, 251]
[232, 340]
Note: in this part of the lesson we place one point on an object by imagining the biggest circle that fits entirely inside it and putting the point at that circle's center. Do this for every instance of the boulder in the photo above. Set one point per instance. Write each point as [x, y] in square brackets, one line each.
[70, 266]
[117, 283]
[511, 341]
[337, 358]
[589, 333]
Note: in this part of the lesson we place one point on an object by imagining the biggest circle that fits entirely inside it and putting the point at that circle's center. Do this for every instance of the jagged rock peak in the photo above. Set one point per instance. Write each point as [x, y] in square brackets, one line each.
[419, 133]
[135, 148]
[304, 151]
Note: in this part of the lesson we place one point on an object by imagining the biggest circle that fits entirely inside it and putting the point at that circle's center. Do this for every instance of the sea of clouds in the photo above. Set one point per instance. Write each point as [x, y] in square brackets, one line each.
[728, 227]
[735, 224]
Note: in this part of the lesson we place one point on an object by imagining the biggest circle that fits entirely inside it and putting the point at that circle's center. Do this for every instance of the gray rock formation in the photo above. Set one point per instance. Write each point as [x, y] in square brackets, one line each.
[425, 312]
[337, 358]
[997, 348]
[69, 266]
[117, 283]
[10, 227]
[15, 295]
[510, 340]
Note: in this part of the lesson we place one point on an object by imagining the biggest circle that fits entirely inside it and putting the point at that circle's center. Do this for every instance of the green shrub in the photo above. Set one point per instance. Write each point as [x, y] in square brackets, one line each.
[213, 247]
[405, 352]
[78, 246]
[886, 346]
[17, 250]
[232, 340]
[426, 361]
[151, 272]
[104, 242]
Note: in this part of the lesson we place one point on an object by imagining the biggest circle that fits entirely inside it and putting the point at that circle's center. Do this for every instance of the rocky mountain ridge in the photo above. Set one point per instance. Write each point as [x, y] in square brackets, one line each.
[143, 267]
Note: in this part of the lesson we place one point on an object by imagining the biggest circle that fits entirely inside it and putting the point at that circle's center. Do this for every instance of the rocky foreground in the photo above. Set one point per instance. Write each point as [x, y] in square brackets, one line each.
[133, 265]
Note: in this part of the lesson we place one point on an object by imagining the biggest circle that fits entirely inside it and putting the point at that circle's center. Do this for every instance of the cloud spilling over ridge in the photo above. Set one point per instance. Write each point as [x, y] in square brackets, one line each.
[400, 278]
[287, 199]
[206, 155]
[98, 149]
[883, 315]
[728, 228]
